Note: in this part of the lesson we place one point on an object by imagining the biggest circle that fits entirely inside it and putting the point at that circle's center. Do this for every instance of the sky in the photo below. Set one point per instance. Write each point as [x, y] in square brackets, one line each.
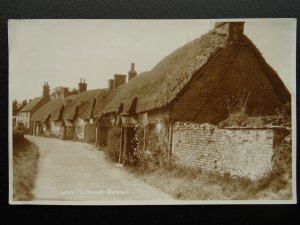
[63, 51]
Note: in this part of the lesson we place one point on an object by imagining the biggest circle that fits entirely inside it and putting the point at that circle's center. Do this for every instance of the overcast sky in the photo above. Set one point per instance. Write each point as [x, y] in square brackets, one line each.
[63, 51]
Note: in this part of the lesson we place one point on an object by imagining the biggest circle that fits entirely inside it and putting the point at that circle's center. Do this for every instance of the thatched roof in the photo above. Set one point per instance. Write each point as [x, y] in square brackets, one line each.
[80, 104]
[31, 104]
[160, 86]
[48, 111]
[96, 103]
[156, 88]
[272, 75]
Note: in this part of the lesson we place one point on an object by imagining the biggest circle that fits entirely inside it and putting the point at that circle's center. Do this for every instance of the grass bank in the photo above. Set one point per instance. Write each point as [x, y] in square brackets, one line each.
[189, 184]
[25, 162]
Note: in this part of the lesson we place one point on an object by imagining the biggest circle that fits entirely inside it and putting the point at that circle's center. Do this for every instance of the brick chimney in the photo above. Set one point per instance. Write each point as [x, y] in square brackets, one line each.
[65, 92]
[46, 91]
[233, 30]
[132, 73]
[82, 86]
[119, 79]
[111, 84]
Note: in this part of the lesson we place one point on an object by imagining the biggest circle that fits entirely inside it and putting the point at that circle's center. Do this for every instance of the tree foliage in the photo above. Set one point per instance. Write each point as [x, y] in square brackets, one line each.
[74, 91]
[23, 104]
[17, 106]
[56, 92]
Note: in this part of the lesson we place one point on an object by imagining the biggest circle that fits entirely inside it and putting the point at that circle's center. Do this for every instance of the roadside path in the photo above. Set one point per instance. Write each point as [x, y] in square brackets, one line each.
[78, 171]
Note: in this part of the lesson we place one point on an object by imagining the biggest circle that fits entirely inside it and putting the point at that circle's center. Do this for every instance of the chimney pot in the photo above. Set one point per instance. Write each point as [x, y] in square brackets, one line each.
[65, 92]
[111, 83]
[82, 86]
[119, 80]
[46, 91]
[132, 73]
[233, 30]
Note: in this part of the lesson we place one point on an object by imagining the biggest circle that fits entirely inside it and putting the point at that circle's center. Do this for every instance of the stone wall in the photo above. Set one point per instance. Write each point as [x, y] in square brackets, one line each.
[239, 151]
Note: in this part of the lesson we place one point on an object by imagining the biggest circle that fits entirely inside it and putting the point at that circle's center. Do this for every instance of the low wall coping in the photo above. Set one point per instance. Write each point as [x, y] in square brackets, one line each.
[257, 128]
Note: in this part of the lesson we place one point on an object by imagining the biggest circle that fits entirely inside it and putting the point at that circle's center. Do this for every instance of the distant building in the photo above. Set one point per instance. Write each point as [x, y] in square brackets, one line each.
[69, 117]
[24, 116]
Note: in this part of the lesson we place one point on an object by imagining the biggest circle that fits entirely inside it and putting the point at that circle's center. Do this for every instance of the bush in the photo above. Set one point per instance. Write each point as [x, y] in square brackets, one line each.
[155, 155]
[18, 136]
[281, 117]
[113, 143]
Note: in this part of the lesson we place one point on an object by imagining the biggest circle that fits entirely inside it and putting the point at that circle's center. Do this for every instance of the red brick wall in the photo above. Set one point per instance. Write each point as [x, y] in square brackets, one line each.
[234, 72]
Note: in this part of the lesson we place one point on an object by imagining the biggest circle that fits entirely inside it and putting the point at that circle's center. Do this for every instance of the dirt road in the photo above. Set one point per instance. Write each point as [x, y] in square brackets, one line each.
[77, 171]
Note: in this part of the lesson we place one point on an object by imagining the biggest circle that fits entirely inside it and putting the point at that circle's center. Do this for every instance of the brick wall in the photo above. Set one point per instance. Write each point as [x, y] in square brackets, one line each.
[242, 152]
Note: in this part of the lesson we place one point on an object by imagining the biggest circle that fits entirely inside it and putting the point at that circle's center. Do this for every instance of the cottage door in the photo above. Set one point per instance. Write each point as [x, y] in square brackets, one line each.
[131, 144]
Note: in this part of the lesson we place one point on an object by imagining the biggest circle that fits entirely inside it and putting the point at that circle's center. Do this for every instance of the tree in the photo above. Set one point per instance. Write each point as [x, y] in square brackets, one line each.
[74, 91]
[15, 107]
[56, 92]
[24, 103]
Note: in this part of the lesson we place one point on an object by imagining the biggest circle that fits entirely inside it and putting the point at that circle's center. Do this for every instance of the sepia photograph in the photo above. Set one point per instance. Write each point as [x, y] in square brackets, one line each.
[143, 112]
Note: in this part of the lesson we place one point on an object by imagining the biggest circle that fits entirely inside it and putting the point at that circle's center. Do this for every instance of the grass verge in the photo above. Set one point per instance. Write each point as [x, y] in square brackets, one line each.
[25, 162]
[189, 184]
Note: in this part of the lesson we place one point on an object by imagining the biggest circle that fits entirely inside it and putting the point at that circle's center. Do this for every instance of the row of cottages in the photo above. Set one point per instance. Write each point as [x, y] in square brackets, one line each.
[24, 117]
[68, 116]
[159, 111]
[201, 82]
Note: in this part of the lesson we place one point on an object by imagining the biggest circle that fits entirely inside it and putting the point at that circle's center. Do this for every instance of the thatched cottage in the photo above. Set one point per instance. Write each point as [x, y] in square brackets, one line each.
[77, 116]
[47, 120]
[24, 117]
[68, 117]
[203, 82]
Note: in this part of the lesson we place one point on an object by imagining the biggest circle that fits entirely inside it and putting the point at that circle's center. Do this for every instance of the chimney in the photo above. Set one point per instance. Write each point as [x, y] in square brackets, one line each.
[64, 92]
[233, 30]
[82, 86]
[46, 92]
[119, 79]
[132, 73]
[111, 83]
